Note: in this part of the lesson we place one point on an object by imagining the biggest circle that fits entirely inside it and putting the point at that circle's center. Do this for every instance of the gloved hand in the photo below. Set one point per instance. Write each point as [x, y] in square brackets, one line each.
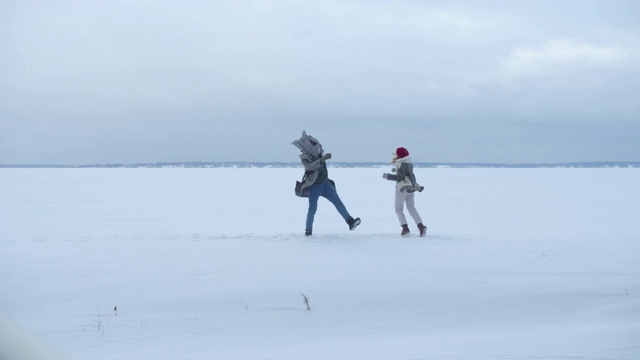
[385, 176]
[326, 156]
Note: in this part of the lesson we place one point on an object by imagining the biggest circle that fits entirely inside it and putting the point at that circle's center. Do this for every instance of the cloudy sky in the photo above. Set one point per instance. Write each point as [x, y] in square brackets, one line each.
[115, 81]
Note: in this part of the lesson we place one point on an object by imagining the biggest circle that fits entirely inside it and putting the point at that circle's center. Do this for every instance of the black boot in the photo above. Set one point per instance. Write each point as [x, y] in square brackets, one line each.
[405, 230]
[307, 233]
[423, 230]
[353, 223]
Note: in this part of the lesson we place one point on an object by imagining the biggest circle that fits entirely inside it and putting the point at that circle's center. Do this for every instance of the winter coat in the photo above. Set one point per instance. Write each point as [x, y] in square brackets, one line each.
[315, 169]
[404, 177]
[315, 172]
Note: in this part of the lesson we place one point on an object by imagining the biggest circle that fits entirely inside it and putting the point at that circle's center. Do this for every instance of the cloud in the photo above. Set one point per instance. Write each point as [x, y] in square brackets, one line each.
[560, 57]
[98, 75]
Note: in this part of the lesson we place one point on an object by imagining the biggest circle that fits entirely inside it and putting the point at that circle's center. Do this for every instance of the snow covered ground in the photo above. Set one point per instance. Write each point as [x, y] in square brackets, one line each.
[211, 264]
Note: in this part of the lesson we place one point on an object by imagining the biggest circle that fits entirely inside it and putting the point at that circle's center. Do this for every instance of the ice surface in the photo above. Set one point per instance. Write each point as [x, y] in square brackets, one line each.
[211, 264]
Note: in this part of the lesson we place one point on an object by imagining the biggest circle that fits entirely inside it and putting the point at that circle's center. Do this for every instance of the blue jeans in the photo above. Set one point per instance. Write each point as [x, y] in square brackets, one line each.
[327, 191]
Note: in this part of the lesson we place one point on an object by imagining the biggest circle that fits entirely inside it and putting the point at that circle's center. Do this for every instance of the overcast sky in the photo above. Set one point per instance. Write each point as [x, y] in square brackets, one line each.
[89, 81]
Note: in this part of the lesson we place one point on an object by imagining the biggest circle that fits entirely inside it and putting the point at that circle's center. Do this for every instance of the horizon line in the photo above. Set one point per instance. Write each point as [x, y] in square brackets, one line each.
[288, 164]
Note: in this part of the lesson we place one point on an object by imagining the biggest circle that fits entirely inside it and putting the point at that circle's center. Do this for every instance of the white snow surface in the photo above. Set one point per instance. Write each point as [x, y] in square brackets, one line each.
[211, 264]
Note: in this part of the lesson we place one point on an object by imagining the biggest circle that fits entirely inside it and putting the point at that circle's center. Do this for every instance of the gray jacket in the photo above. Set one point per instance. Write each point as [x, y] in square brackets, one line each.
[315, 168]
[404, 177]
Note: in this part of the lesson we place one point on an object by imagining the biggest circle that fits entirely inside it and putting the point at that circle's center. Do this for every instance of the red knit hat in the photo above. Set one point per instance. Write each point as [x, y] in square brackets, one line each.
[402, 152]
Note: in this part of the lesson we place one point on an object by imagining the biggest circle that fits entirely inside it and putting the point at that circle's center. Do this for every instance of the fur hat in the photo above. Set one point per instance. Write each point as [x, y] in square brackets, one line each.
[401, 152]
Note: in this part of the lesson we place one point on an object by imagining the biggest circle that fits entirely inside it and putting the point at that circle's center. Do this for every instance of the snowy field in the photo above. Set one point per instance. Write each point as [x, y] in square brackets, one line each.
[211, 264]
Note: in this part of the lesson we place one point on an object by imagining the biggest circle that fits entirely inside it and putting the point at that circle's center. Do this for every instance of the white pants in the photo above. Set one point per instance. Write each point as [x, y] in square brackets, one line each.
[409, 198]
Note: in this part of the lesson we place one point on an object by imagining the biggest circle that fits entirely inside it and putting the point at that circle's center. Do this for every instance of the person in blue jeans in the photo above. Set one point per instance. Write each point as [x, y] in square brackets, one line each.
[316, 182]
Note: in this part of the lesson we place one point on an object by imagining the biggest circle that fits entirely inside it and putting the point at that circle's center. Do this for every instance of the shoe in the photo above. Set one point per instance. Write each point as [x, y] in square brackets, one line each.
[353, 223]
[405, 231]
[422, 229]
[307, 233]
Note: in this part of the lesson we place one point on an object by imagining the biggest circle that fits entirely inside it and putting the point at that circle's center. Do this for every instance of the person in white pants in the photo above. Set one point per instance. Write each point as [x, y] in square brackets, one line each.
[406, 186]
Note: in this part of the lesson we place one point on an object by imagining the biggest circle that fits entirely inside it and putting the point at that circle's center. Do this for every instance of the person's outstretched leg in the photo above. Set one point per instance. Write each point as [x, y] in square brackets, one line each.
[331, 194]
